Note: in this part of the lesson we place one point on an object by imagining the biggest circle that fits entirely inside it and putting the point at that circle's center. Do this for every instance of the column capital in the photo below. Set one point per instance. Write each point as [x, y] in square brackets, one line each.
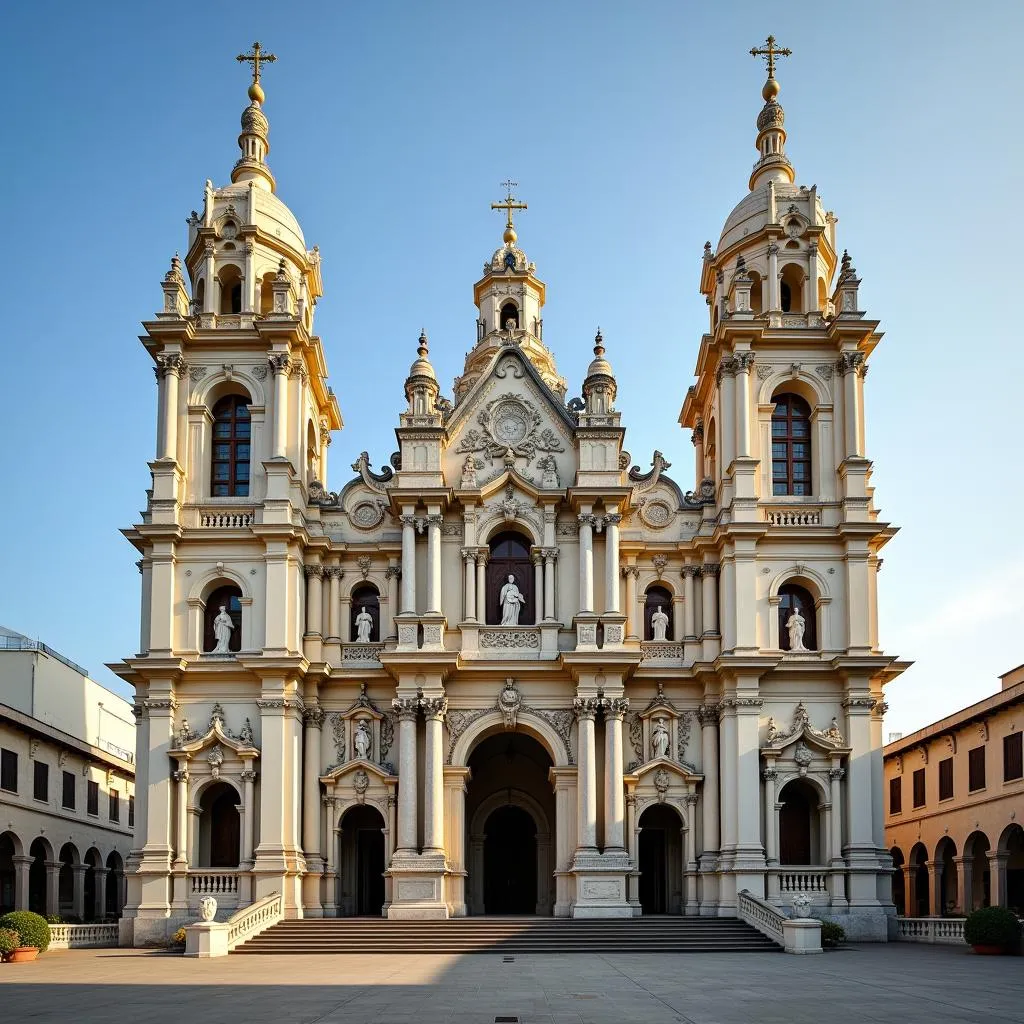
[435, 520]
[585, 707]
[708, 714]
[469, 555]
[537, 556]
[248, 775]
[393, 571]
[550, 554]
[859, 705]
[614, 707]
[851, 362]
[710, 569]
[586, 519]
[630, 570]
[483, 556]
[693, 571]
[170, 364]
[769, 774]
[313, 716]
[280, 363]
[181, 775]
[744, 361]
[691, 800]
[333, 572]
[408, 520]
[835, 774]
[612, 518]
[434, 708]
[407, 708]
[314, 571]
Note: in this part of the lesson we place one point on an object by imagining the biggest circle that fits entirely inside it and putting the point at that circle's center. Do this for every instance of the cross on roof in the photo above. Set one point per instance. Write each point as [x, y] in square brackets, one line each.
[255, 58]
[770, 53]
[510, 203]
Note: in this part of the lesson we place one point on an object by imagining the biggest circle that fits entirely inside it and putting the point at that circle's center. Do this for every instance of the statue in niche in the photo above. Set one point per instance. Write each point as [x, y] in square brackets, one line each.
[549, 471]
[362, 740]
[469, 468]
[223, 626]
[659, 738]
[659, 624]
[364, 625]
[795, 625]
[511, 600]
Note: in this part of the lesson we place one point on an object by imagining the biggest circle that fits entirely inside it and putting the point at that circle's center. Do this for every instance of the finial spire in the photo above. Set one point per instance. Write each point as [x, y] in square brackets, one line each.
[423, 347]
[256, 58]
[773, 165]
[770, 52]
[599, 343]
[510, 204]
[254, 141]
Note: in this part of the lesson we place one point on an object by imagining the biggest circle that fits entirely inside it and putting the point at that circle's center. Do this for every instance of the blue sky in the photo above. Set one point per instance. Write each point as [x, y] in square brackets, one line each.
[630, 129]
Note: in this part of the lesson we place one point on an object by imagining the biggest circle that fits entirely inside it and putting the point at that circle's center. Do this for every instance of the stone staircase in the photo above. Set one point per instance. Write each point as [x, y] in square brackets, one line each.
[510, 935]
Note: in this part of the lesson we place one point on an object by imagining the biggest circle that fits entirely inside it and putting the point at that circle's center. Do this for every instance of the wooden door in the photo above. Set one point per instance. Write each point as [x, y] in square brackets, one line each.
[510, 556]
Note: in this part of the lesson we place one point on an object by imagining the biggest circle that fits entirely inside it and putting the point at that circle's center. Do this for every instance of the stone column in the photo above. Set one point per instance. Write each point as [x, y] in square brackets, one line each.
[726, 378]
[689, 620]
[334, 573]
[611, 556]
[848, 366]
[910, 890]
[100, 901]
[434, 709]
[586, 708]
[631, 573]
[22, 863]
[586, 521]
[771, 835]
[408, 606]
[469, 588]
[393, 574]
[697, 439]
[709, 587]
[835, 776]
[168, 371]
[314, 600]
[482, 554]
[52, 886]
[550, 561]
[331, 874]
[434, 523]
[249, 796]
[313, 718]
[407, 709]
[78, 892]
[935, 888]
[210, 291]
[964, 884]
[744, 361]
[690, 906]
[710, 823]
[614, 809]
[537, 557]
[279, 366]
[181, 833]
[997, 875]
[774, 292]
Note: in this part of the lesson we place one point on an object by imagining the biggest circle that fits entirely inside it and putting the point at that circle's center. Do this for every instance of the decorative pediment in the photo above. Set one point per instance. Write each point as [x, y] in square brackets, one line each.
[351, 783]
[362, 732]
[829, 740]
[660, 732]
[514, 503]
[189, 743]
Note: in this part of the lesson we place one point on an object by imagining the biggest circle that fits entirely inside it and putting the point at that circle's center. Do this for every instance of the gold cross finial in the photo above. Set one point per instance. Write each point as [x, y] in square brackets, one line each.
[256, 58]
[770, 52]
[510, 204]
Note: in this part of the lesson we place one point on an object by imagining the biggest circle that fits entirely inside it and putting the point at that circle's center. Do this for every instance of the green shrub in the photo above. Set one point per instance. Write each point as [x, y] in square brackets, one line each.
[54, 919]
[991, 926]
[9, 941]
[31, 928]
[832, 934]
[178, 938]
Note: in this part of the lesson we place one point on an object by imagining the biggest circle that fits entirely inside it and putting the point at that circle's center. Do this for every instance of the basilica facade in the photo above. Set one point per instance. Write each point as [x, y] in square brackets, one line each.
[509, 671]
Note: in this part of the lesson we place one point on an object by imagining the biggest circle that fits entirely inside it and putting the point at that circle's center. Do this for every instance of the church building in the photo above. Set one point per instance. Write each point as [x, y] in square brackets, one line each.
[509, 671]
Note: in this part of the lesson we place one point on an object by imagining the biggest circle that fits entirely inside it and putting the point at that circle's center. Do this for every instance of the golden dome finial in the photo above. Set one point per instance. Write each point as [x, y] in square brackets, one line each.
[510, 204]
[770, 52]
[256, 58]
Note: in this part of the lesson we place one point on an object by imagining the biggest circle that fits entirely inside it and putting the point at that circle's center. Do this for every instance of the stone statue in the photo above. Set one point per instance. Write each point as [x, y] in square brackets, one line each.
[801, 906]
[223, 626]
[659, 738]
[469, 468]
[659, 624]
[207, 908]
[511, 600]
[362, 740]
[364, 624]
[795, 624]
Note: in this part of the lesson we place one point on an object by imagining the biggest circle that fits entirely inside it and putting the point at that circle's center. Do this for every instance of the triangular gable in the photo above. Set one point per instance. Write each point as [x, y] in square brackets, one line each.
[339, 771]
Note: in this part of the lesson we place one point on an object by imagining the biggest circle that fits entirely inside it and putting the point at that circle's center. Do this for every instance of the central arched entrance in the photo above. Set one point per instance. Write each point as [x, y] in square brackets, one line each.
[510, 815]
[660, 852]
[361, 863]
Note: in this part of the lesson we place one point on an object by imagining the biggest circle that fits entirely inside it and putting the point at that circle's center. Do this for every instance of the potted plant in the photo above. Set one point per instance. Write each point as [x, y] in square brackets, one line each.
[832, 934]
[33, 934]
[991, 930]
[9, 942]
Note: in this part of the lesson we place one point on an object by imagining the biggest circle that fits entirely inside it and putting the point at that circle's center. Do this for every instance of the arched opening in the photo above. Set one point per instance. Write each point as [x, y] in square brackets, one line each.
[756, 299]
[66, 880]
[796, 604]
[791, 289]
[361, 864]
[219, 826]
[41, 853]
[660, 856]
[822, 295]
[230, 278]
[658, 614]
[791, 445]
[918, 899]
[945, 877]
[710, 453]
[979, 892]
[1011, 845]
[93, 862]
[267, 294]
[10, 847]
[312, 454]
[509, 316]
[224, 603]
[231, 447]
[510, 862]
[510, 815]
[799, 824]
[113, 900]
[899, 896]
[365, 602]
[200, 295]
[510, 597]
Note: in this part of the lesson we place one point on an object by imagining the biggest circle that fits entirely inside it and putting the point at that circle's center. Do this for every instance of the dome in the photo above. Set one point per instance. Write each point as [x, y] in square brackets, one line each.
[422, 367]
[599, 366]
[271, 214]
[752, 212]
[508, 257]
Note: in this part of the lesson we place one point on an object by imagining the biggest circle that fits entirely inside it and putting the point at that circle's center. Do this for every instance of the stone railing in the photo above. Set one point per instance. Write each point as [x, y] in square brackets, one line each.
[659, 650]
[801, 879]
[510, 638]
[768, 920]
[792, 516]
[225, 519]
[361, 654]
[940, 930]
[248, 922]
[213, 883]
[79, 936]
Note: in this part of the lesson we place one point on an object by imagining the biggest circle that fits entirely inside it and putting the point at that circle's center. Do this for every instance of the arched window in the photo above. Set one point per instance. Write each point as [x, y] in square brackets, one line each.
[510, 311]
[791, 446]
[510, 556]
[655, 598]
[794, 598]
[232, 432]
[219, 827]
[230, 599]
[791, 289]
[366, 598]
[755, 291]
[710, 453]
[312, 454]
[799, 824]
[230, 290]
[200, 296]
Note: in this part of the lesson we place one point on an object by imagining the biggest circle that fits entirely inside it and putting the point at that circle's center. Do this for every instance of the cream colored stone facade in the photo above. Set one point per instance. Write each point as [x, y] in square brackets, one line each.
[566, 762]
[956, 830]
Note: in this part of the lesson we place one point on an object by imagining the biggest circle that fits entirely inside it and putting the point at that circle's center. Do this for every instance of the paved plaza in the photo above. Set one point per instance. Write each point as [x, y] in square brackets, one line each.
[903, 983]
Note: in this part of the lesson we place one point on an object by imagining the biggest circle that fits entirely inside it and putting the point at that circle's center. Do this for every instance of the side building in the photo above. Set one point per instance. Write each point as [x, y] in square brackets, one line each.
[954, 819]
[67, 785]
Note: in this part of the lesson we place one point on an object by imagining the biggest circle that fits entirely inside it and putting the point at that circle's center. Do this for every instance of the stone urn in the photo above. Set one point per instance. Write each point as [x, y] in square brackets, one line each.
[801, 906]
[207, 908]
[23, 955]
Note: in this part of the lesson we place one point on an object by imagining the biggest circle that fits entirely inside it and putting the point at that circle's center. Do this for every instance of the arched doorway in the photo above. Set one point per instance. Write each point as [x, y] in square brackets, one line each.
[219, 827]
[66, 880]
[10, 847]
[41, 853]
[510, 815]
[115, 881]
[979, 891]
[361, 862]
[799, 825]
[1011, 845]
[899, 897]
[93, 862]
[945, 877]
[510, 862]
[917, 901]
[510, 556]
[660, 856]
